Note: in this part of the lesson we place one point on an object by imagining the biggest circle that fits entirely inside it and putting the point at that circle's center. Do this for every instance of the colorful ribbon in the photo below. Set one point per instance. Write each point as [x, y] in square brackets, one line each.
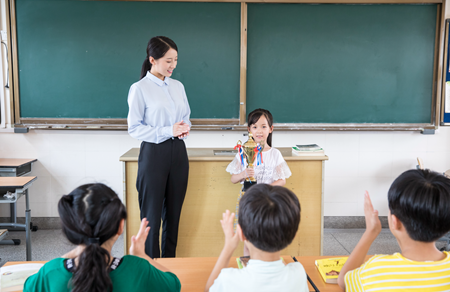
[241, 153]
[258, 155]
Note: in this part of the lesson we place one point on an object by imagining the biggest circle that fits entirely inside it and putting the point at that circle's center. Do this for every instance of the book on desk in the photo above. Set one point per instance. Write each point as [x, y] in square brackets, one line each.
[307, 150]
[329, 269]
[12, 278]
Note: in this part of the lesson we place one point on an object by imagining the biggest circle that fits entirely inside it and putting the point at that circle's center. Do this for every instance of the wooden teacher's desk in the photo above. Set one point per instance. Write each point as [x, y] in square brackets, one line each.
[194, 272]
[210, 192]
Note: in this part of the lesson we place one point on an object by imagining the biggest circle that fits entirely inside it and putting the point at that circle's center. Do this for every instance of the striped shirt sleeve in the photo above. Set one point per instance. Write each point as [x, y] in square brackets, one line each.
[397, 273]
[353, 281]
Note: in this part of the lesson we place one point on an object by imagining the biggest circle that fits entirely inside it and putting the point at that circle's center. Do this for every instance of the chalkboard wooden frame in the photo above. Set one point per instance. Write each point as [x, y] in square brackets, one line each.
[445, 116]
[238, 124]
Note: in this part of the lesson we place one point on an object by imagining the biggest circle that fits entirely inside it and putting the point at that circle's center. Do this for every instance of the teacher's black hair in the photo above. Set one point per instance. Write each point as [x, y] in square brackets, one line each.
[157, 47]
[420, 199]
[91, 211]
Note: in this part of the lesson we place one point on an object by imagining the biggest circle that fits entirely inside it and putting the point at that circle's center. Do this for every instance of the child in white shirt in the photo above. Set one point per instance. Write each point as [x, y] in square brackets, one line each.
[269, 217]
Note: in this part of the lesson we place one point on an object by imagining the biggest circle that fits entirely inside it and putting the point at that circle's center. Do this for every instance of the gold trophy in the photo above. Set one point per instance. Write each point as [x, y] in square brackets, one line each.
[249, 149]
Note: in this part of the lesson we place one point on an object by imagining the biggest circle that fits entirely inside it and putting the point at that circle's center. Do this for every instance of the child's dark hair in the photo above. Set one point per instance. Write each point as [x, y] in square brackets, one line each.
[157, 47]
[254, 116]
[420, 199]
[90, 215]
[269, 216]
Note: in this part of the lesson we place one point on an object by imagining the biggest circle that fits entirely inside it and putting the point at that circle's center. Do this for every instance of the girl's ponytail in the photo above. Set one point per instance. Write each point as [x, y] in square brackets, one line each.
[146, 66]
[92, 272]
[90, 216]
[157, 47]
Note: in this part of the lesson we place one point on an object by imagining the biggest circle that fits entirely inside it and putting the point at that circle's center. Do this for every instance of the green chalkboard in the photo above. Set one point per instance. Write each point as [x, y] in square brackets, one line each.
[336, 63]
[77, 59]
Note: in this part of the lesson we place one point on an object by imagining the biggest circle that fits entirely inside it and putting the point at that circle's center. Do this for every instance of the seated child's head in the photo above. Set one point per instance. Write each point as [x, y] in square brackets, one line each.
[92, 215]
[420, 199]
[91, 211]
[269, 217]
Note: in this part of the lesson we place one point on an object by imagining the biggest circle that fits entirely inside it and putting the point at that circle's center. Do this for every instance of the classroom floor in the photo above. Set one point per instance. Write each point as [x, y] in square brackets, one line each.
[49, 244]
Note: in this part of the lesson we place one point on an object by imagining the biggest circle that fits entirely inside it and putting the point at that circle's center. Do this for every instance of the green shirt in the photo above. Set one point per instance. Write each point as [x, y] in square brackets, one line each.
[133, 274]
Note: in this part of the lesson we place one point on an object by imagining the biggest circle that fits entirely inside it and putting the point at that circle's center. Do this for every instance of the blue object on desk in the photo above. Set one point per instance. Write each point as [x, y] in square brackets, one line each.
[446, 117]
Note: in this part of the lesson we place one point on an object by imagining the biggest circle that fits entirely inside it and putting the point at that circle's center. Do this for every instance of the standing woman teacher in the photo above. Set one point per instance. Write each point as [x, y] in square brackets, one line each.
[159, 116]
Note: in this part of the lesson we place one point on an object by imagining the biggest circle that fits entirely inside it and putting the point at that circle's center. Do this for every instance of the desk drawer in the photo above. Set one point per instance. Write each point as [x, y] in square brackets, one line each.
[15, 171]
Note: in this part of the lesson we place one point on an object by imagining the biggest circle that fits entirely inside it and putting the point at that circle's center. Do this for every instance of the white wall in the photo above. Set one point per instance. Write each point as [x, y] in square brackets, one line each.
[358, 160]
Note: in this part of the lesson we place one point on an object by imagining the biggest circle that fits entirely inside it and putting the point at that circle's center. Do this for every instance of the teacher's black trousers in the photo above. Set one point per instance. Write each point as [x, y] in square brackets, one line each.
[163, 171]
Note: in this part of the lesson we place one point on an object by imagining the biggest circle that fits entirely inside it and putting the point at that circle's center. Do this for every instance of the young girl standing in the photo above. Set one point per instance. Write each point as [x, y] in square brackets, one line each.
[273, 169]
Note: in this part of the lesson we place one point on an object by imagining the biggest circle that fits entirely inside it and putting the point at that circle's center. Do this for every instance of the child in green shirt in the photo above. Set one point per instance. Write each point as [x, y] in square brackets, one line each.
[93, 218]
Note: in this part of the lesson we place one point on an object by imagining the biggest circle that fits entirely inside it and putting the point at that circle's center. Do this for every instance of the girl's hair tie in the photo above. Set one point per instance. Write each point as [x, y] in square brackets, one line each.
[94, 240]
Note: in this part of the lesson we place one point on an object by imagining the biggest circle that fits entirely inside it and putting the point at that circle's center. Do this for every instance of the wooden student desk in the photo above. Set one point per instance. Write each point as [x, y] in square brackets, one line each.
[194, 272]
[210, 192]
[18, 186]
[13, 167]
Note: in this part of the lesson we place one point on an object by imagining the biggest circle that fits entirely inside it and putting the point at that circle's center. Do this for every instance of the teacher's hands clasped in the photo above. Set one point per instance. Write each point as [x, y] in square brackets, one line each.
[181, 130]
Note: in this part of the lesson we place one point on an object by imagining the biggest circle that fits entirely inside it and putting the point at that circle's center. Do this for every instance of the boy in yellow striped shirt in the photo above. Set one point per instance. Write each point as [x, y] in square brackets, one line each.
[419, 214]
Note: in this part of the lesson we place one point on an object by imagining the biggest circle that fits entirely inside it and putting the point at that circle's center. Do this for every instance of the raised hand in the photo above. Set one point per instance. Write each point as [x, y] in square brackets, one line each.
[231, 238]
[137, 247]
[373, 224]
[358, 255]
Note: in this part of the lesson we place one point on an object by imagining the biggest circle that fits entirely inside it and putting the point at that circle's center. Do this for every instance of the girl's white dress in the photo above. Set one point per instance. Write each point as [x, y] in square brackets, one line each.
[272, 169]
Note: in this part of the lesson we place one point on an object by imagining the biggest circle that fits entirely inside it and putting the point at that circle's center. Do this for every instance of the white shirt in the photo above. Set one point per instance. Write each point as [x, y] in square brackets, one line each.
[272, 169]
[260, 276]
[154, 107]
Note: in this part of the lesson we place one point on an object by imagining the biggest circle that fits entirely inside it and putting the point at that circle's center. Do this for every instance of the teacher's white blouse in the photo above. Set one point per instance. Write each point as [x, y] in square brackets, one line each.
[154, 107]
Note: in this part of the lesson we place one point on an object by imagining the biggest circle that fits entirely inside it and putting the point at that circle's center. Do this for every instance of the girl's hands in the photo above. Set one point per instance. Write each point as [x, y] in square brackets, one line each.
[373, 224]
[231, 238]
[248, 172]
[137, 247]
[181, 129]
